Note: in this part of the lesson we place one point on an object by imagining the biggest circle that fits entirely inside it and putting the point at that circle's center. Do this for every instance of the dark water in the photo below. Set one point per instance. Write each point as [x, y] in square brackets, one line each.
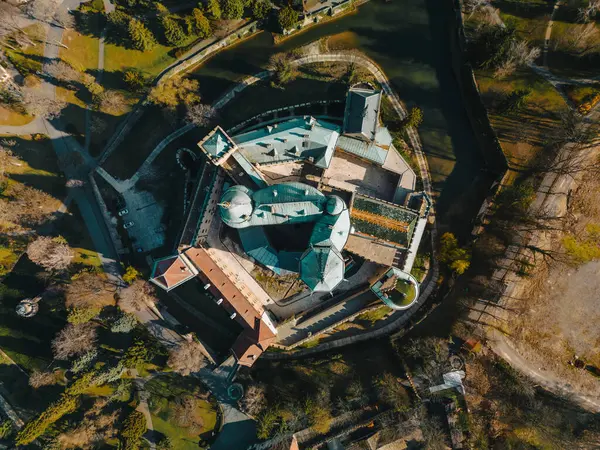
[408, 39]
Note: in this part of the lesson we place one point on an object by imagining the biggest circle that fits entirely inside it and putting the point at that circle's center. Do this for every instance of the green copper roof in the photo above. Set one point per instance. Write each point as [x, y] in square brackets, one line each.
[322, 268]
[305, 139]
[289, 203]
[361, 115]
[217, 144]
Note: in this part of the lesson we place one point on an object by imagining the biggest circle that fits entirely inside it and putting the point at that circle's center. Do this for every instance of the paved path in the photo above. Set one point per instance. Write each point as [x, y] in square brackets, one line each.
[143, 395]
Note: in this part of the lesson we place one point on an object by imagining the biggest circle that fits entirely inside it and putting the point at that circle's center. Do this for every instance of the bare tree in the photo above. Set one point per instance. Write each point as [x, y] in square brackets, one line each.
[185, 414]
[583, 39]
[471, 6]
[50, 253]
[12, 17]
[38, 379]
[112, 102]
[137, 296]
[41, 106]
[200, 114]
[62, 71]
[98, 125]
[64, 18]
[519, 54]
[186, 358]
[586, 13]
[74, 340]
[434, 435]
[89, 290]
[254, 400]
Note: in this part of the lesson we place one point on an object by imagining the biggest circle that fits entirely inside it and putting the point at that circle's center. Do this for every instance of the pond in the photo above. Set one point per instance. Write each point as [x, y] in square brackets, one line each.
[408, 39]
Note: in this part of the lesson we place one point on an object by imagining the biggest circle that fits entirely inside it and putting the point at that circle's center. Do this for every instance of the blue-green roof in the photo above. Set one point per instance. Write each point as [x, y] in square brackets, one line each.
[216, 144]
[361, 115]
[322, 268]
[305, 139]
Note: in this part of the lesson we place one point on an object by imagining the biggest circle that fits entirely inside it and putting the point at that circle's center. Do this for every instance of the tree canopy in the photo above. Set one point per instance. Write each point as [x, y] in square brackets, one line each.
[287, 17]
[175, 91]
[232, 9]
[458, 259]
[141, 37]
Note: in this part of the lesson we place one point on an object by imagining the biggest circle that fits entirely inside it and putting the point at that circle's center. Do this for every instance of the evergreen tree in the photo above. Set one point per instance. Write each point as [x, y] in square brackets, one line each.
[213, 8]
[173, 32]
[287, 18]
[260, 9]
[198, 24]
[141, 36]
[118, 22]
[232, 9]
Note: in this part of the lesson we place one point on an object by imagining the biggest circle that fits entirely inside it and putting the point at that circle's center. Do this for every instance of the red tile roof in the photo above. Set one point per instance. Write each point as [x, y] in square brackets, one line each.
[170, 272]
[257, 336]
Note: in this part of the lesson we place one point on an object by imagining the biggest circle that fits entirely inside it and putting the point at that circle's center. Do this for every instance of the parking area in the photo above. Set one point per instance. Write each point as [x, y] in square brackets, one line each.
[147, 231]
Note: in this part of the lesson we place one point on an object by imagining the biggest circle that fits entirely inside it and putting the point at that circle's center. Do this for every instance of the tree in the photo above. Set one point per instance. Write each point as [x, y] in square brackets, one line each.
[135, 80]
[175, 91]
[124, 323]
[131, 274]
[200, 114]
[281, 65]
[89, 290]
[319, 415]
[287, 17]
[112, 102]
[74, 340]
[133, 430]
[213, 8]
[136, 297]
[186, 358]
[414, 118]
[82, 315]
[138, 354]
[586, 13]
[66, 404]
[118, 22]
[232, 9]
[434, 436]
[52, 254]
[254, 401]
[391, 392]
[185, 414]
[174, 34]
[198, 24]
[38, 379]
[84, 361]
[458, 259]
[261, 9]
[40, 106]
[62, 71]
[43, 10]
[10, 26]
[142, 37]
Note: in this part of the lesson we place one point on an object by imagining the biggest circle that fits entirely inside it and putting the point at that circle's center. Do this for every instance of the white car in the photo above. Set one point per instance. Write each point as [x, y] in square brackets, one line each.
[123, 212]
[128, 225]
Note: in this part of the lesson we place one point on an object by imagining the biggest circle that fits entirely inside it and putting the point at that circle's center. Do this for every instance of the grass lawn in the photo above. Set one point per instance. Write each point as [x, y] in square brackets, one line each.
[529, 17]
[524, 132]
[13, 118]
[151, 63]
[82, 52]
[374, 315]
[567, 56]
[165, 392]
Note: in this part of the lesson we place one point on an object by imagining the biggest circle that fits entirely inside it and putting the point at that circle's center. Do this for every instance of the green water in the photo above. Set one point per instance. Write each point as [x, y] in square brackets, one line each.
[408, 39]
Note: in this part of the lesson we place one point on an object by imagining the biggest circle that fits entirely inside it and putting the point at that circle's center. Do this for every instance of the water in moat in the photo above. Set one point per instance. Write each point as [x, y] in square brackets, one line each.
[409, 40]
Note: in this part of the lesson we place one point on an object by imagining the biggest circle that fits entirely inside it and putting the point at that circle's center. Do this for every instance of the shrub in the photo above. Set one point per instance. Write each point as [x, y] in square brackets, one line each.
[134, 79]
[66, 404]
[287, 18]
[133, 430]
[124, 323]
[6, 429]
[131, 274]
[82, 315]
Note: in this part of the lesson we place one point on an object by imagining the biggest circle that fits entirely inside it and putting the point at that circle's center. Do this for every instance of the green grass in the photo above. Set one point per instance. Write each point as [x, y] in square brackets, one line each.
[374, 315]
[529, 17]
[13, 118]
[151, 62]
[82, 52]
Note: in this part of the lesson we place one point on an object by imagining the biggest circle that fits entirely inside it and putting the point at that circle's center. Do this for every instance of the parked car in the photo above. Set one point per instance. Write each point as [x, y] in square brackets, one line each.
[123, 212]
[128, 225]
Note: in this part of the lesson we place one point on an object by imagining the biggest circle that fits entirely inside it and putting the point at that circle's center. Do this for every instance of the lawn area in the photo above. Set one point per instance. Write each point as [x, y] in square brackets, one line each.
[82, 51]
[570, 54]
[522, 133]
[374, 315]
[529, 17]
[119, 59]
[166, 394]
[13, 118]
